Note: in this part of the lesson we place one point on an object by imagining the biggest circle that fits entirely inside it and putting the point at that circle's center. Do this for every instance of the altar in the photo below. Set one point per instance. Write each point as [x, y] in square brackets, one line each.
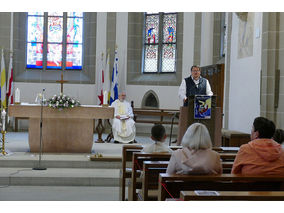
[64, 131]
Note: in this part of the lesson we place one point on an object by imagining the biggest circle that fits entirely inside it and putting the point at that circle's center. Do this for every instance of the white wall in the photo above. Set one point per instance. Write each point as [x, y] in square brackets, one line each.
[244, 94]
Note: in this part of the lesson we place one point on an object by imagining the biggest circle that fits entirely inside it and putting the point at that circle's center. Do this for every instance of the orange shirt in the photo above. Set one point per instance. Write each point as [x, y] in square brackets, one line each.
[260, 156]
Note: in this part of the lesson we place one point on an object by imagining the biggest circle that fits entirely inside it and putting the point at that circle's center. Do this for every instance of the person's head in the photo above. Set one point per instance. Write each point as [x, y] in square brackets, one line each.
[158, 133]
[122, 96]
[279, 135]
[197, 137]
[195, 71]
[262, 128]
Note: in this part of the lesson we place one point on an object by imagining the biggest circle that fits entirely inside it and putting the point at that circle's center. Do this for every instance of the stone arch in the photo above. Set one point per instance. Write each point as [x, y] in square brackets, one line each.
[150, 100]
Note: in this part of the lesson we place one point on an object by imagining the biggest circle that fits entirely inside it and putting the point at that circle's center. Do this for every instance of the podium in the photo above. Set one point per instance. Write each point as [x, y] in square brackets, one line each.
[214, 124]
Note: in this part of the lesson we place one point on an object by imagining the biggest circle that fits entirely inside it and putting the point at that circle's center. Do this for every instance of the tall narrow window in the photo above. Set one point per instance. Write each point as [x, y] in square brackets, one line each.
[55, 40]
[160, 43]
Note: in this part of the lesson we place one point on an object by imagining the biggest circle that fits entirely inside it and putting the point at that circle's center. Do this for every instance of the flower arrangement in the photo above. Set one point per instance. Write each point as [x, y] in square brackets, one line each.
[62, 102]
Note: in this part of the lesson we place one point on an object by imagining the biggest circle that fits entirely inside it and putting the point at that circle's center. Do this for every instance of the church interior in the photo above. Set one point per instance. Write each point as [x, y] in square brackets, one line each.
[148, 55]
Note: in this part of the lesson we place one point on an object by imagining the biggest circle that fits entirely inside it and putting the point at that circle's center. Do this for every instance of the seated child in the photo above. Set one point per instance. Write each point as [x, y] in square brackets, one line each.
[158, 135]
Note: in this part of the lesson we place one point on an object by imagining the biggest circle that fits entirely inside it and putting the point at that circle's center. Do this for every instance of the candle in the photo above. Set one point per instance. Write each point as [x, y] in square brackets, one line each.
[3, 116]
[105, 97]
[17, 96]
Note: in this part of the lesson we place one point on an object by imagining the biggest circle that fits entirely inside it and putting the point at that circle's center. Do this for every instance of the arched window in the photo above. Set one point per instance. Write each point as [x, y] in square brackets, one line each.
[150, 100]
[160, 43]
[54, 41]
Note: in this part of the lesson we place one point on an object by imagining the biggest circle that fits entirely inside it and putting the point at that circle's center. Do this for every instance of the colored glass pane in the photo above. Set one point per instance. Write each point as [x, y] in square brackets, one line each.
[152, 29]
[74, 14]
[169, 28]
[55, 29]
[74, 30]
[151, 58]
[168, 57]
[34, 55]
[35, 13]
[55, 13]
[74, 56]
[35, 29]
[54, 56]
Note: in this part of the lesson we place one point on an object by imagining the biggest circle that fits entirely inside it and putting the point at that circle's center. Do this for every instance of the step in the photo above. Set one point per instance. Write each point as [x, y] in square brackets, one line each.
[30, 160]
[59, 177]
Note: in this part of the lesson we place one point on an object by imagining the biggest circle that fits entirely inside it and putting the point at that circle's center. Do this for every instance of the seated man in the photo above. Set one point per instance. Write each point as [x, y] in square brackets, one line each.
[262, 155]
[123, 126]
[158, 135]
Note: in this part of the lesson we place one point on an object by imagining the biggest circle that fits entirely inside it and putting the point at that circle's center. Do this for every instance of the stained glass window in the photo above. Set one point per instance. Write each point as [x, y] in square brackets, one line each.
[160, 42]
[59, 45]
[35, 41]
[74, 41]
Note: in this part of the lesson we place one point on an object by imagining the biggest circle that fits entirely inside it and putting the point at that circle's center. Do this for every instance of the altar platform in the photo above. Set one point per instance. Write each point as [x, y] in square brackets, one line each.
[69, 176]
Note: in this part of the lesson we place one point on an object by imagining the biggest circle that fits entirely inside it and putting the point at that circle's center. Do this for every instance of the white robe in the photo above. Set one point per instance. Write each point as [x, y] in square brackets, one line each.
[123, 130]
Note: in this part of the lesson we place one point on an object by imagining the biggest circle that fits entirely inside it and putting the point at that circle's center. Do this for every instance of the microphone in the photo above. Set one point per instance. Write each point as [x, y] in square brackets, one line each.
[43, 89]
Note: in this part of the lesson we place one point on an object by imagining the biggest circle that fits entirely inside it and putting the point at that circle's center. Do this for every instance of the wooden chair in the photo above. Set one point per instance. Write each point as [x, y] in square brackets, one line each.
[235, 195]
[126, 169]
[171, 185]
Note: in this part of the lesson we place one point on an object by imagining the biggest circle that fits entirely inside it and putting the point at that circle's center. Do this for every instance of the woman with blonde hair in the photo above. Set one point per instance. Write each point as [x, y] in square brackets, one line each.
[196, 156]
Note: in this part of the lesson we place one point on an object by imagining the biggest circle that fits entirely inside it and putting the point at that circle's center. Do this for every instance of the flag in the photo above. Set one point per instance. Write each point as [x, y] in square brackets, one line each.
[107, 77]
[114, 79]
[10, 82]
[101, 82]
[3, 82]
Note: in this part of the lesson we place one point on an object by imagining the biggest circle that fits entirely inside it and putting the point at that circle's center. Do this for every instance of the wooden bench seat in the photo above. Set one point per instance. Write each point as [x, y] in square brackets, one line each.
[235, 195]
[171, 185]
[150, 176]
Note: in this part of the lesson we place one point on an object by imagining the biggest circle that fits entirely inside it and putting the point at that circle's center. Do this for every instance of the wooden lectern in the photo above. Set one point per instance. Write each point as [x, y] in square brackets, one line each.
[214, 124]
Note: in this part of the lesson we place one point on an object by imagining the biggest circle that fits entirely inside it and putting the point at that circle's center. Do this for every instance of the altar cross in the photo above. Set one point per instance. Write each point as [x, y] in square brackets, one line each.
[62, 82]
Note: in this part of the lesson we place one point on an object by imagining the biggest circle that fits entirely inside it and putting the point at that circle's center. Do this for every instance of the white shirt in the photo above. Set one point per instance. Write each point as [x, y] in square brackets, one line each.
[182, 88]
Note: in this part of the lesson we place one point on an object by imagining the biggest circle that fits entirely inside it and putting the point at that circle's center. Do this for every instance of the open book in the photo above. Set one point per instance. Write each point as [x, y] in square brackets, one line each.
[123, 117]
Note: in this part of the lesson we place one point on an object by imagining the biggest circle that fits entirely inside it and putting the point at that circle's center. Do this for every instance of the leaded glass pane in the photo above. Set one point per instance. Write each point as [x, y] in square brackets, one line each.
[74, 30]
[35, 13]
[55, 29]
[55, 13]
[152, 29]
[169, 28]
[74, 56]
[34, 55]
[75, 14]
[168, 57]
[35, 29]
[151, 58]
[54, 56]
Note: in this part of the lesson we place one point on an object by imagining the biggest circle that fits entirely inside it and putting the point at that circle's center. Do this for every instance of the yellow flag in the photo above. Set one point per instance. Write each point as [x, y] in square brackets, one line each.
[3, 81]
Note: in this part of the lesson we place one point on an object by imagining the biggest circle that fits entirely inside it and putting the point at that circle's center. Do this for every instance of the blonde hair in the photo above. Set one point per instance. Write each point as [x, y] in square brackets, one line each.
[197, 137]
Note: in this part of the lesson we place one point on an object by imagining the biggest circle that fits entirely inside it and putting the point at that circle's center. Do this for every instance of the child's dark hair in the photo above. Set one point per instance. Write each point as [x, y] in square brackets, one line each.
[158, 132]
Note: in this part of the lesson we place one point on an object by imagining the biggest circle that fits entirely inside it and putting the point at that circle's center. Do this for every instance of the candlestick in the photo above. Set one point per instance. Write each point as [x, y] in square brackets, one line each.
[17, 96]
[105, 98]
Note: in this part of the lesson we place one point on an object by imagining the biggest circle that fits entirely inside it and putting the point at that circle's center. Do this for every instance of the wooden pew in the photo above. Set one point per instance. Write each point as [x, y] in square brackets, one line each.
[171, 185]
[137, 165]
[150, 176]
[235, 195]
[159, 113]
[125, 173]
[127, 151]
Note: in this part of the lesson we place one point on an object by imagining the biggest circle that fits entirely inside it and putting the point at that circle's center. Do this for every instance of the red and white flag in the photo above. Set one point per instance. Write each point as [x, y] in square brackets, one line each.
[101, 81]
[10, 84]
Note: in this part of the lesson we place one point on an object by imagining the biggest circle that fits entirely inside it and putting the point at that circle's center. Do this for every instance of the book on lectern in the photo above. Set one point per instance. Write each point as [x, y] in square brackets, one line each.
[202, 107]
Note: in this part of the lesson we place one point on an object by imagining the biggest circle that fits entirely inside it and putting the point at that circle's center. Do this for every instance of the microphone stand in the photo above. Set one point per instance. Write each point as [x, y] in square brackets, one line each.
[40, 137]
